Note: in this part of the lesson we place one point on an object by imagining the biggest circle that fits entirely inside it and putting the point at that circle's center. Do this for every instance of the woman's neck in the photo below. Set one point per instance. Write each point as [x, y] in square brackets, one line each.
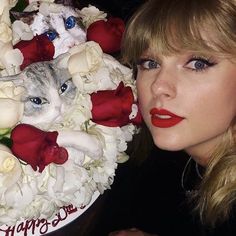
[202, 158]
[202, 152]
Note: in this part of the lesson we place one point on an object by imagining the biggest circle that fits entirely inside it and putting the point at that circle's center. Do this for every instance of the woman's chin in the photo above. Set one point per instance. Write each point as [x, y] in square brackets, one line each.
[167, 145]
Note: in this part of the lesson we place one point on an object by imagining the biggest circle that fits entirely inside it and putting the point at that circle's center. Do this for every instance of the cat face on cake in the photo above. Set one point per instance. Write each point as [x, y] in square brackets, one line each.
[49, 91]
[62, 24]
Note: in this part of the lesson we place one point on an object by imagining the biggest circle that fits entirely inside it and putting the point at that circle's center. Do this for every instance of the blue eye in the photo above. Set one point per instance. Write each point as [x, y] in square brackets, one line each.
[51, 34]
[199, 64]
[147, 64]
[70, 22]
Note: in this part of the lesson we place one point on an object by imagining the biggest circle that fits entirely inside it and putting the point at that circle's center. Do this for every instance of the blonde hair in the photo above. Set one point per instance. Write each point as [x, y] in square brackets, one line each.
[171, 26]
[217, 192]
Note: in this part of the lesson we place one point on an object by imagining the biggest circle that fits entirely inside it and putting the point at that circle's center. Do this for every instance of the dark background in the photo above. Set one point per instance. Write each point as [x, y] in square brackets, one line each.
[119, 8]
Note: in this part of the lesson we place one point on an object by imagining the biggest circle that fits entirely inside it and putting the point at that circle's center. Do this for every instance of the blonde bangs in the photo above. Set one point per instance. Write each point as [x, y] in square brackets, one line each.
[176, 26]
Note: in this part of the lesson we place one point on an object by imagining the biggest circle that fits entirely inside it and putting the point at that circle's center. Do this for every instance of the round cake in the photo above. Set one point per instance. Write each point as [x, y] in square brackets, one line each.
[68, 110]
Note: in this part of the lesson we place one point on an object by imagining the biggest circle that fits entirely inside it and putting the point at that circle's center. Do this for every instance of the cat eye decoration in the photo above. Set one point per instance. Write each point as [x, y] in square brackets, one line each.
[64, 87]
[38, 101]
[51, 34]
[70, 22]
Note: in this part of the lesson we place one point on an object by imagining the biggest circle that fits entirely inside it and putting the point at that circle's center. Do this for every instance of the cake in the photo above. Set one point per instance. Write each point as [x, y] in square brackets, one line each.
[60, 149]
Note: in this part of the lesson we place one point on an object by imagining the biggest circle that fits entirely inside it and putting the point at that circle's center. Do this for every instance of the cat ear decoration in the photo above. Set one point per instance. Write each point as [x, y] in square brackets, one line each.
[17, 80]
[80, 23]
[60, 61]
[59, 64]
[26, 17]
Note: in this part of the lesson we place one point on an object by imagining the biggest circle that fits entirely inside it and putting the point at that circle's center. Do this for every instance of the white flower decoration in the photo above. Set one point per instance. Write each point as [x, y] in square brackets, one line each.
[5, 33]
[89, 56]
[10, 171]
[10, 104]
[21, 31]
[91, 14]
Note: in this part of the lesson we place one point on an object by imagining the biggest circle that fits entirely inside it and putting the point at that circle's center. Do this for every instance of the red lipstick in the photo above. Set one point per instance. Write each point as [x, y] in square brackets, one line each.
[164, 119]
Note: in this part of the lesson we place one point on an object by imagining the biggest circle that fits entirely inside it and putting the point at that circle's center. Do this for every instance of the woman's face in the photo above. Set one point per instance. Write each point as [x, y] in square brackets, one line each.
[188, 101]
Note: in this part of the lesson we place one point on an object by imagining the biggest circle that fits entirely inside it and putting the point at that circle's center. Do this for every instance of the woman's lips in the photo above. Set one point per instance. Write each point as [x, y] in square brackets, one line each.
[164, 119]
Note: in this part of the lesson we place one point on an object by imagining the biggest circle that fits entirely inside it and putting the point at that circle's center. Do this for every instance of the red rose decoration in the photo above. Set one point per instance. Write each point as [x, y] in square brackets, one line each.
[36, 147]
[40, 48]
[113, 107]
[107, 34]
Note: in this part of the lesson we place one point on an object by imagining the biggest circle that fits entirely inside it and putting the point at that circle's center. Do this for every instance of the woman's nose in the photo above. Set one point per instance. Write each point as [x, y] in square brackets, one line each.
[164, 86]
